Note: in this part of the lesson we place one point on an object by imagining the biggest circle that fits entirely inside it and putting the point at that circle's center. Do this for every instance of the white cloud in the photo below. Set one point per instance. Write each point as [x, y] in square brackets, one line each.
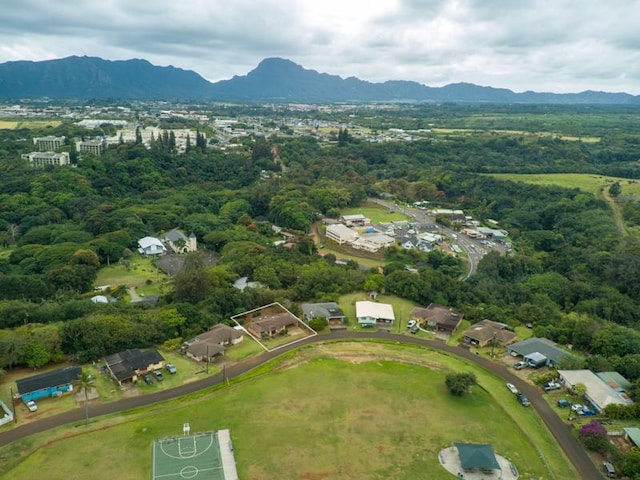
[523, 45]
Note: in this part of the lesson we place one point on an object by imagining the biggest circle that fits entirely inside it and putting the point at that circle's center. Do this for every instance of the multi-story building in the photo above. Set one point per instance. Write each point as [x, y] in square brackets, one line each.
[49, 143]
[93, 147]
[42, 159]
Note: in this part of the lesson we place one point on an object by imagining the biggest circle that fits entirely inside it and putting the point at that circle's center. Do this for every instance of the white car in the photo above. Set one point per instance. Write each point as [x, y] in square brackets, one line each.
[31, 405]
[411, 323]
[512, 388]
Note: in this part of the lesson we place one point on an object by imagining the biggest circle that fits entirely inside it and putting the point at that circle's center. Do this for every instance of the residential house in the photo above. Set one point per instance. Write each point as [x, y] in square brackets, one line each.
[178, 242]
[632, 435]
[266, 326]
[49, 384]
[484, 332]
[616, 381]
[129, 365]
[329, 310]
[213, 342]
[544, 346]
[370, 314]
[340, 234]
[437, 317]
[151, 246]
[598, 393]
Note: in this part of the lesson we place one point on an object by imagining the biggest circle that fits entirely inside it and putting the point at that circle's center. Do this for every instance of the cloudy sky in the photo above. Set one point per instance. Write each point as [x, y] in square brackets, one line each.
[541, 45]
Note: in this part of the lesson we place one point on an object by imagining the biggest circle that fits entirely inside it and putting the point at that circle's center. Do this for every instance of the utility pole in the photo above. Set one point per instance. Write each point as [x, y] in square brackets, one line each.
[207, 366]
[13, 406]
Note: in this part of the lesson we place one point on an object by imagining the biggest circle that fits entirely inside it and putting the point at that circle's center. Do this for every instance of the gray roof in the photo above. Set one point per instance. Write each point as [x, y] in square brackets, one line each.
[543, 346]
[123, 365]
[175, 235]
[54, 378]
[327, 310]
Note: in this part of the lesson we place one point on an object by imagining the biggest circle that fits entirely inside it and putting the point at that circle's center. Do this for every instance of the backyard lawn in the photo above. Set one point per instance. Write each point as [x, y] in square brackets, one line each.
[344, 410]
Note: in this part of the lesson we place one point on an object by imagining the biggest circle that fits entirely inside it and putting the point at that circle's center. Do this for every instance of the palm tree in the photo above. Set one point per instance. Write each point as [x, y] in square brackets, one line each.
[84, 382]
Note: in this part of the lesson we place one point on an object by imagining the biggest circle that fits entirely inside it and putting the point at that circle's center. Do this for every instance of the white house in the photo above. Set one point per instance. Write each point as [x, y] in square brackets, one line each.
[340, 234]
[150, 246]
[373, 313]
[599, 393]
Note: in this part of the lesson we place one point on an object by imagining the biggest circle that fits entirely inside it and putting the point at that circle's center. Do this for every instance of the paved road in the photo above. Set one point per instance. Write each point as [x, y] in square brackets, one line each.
[473, 254]
[562, 433]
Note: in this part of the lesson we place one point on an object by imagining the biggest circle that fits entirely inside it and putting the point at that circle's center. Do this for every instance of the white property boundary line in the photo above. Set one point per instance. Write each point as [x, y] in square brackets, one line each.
[304, 325]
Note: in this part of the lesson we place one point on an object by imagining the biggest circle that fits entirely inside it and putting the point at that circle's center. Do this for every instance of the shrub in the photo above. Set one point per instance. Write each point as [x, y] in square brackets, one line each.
[594, 437]
[460, 383]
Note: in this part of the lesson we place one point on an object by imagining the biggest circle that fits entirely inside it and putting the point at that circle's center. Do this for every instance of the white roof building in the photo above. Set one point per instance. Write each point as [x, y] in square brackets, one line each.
[340, 233]
[370, 313]
[151, 246]
[599, 393]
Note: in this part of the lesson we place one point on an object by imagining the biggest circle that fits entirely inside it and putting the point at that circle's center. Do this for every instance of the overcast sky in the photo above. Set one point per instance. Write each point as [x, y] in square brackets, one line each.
[541, 45]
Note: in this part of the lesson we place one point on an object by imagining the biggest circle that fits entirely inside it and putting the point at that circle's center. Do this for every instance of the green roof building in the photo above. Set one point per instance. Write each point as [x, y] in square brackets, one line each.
[474, 456]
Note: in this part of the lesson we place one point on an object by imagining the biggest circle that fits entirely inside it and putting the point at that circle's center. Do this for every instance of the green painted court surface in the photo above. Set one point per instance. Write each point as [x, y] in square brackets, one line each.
[197, 457]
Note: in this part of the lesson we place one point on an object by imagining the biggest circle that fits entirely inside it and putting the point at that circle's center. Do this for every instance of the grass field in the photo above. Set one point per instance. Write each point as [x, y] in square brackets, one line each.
[585, 182]
[141, 273]
[16, 124]
[348, 410]
[476, 131]
[376, 213]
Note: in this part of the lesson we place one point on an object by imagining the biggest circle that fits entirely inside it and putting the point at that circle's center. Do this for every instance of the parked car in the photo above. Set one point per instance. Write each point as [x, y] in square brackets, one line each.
[522, 398]
[520, 365]
[576, 407]
[171, 368]
[415, 329]
[551, 386]
[31, 405]
[147, 379]
[411, 323]
[512, 388]
[564, 403]
[158, 375]
[587, 412]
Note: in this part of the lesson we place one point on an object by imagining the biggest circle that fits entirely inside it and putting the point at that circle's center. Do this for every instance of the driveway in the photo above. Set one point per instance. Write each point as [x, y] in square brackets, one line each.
[562, 432]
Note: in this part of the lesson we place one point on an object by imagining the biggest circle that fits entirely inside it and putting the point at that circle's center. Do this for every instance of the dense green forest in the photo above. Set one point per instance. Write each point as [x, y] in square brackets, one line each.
[573, 276]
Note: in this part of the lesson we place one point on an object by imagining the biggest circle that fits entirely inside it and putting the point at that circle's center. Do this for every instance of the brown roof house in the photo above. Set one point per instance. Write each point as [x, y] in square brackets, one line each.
[437, 317]
[127, 366]
[266, 326]
[211, 343]
[482, 333]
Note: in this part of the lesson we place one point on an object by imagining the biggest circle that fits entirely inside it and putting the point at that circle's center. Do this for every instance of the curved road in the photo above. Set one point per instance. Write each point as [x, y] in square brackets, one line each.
[562, 433]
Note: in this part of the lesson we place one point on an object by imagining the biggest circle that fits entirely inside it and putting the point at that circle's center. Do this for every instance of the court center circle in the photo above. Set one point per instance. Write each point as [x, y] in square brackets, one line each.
[188, 472]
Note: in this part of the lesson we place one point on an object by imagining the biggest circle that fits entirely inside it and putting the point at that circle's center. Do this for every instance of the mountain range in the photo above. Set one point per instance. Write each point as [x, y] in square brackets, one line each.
[273, 80]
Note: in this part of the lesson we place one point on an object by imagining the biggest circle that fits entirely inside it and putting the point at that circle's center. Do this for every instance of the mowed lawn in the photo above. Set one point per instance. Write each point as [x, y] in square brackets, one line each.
[319, 417]
[139, 272]
[376, 213]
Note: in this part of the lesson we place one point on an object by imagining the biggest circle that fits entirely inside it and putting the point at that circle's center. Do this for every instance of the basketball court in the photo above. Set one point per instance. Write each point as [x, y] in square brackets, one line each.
[203, 456]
